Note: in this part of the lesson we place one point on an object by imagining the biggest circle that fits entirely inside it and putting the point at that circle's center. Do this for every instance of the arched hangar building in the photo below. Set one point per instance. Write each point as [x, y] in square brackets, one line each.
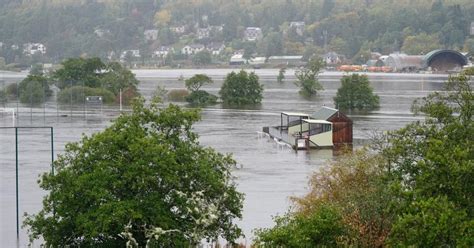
[444, 60]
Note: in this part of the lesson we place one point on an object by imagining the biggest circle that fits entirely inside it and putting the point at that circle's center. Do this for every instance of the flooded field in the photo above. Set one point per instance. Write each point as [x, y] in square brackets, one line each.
[267, 175]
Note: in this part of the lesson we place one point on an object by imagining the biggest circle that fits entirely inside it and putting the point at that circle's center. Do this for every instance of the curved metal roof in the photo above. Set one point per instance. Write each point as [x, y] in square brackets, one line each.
[431, 55]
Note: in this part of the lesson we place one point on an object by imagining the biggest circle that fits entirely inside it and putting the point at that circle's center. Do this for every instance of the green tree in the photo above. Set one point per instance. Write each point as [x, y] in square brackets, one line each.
[202, 58]
[143, 179]
[433, 222]
[79, 71]
[34, 89]
[197, 81]
[117, 77]
[199, 97]
[356, 93]
[420, 44]
[307, 78]
[281, 75]
[241, 89]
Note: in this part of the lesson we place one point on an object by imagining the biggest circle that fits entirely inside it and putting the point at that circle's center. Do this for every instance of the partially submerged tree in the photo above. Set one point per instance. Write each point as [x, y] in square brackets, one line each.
[241, 89]
[199, 97]
[307, 78]
[281, 75]
[356, 93]
[34, 89]
[143, 180]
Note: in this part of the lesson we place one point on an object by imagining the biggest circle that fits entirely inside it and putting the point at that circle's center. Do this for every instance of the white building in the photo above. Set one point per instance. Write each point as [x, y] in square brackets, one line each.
[34, 48]
[237, 59]
[151, 34]
[472, 28]
[202, 33]
[133, 54]
[298, 26]
[192, 49]
[162, 51]
[178, 29]
[216, 48]
[253, 34]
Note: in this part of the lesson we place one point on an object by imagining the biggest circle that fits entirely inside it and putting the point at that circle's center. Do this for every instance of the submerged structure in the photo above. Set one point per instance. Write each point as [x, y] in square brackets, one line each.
[326, 128]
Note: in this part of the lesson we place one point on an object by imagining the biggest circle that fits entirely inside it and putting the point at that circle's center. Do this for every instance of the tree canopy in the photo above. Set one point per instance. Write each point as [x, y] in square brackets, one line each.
[241, 89]
[355, 93]
[307, 78]
[143, 180]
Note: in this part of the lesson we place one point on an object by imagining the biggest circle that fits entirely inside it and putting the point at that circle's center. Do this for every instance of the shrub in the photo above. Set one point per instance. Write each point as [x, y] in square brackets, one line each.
[178, 95]
[77, 95]
[201, 98]
[12, 90]
[3, 96]
[128, 95]
[241, 89]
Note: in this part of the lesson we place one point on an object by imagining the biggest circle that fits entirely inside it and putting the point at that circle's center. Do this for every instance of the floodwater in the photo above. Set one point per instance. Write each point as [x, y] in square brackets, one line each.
[268, 175]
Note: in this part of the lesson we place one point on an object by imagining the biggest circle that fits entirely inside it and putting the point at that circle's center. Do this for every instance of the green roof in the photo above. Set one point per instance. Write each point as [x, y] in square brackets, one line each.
[324, 113]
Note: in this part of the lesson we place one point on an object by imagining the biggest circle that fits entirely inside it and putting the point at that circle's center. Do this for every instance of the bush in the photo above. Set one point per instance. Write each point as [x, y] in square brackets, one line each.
[356, 93]
[128, 95]
[12, 90]
[3, 96]
[178, 95]
[241, 89]
[201, 98]
[79, 93]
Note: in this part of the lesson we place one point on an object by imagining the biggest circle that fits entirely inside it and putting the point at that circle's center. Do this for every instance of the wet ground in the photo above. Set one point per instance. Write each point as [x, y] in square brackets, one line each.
[267, 175]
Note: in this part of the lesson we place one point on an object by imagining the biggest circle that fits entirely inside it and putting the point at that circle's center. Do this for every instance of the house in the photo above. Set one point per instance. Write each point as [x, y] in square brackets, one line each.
[151, 34]
[131, 53]
[15, 47]
[298, 27]
[202, 33]
[257, 62]
[216, 29]
[34, 48]
[286, 60]
[333, 58]
[101, 32]
[192, 49]
[162, 51]
[216, 48]
[253, 34]
[237, 59]
[178, 29]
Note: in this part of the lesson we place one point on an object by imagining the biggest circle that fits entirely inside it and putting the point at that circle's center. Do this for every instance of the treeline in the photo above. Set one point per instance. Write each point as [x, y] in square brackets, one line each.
[350, 28]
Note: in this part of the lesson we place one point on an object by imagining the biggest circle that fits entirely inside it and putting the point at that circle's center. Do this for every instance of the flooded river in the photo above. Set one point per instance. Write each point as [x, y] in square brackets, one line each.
[267, 175]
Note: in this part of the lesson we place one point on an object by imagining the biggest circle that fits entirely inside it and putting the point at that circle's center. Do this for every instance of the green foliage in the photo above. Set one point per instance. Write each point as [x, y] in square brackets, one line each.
[197, 81]
[159, 94]
[201, 98]
[78, 94]
[433, 222]
[321, 228]
[145, 179]
[202, 58]
[178, 95]
[3, 96]
[79, 71]
[420, 44]
[241, 89]
[12, 90]
[117, 77]
[34, 89]
[281, 75]
[307, 78]
[356, 93]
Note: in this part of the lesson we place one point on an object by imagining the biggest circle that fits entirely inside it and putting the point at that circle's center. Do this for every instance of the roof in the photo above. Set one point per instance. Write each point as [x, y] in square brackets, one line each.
[324, 113]
[312, 121]
[431, 55]
[285, 57]
[294, 114]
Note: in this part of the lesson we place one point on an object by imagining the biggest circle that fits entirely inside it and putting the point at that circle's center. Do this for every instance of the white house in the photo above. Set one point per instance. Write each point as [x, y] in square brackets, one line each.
[237, 59]
[34, 48]
[178, 29]
[151, 34]
[216, 48]
[162, 51]
[192, 49]
[203, 33]
[298, 26]
[133, 54]
[253, 34]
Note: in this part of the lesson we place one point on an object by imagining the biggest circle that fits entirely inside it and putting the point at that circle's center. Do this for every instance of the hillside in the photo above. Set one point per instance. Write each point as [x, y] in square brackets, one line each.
[106, 28]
